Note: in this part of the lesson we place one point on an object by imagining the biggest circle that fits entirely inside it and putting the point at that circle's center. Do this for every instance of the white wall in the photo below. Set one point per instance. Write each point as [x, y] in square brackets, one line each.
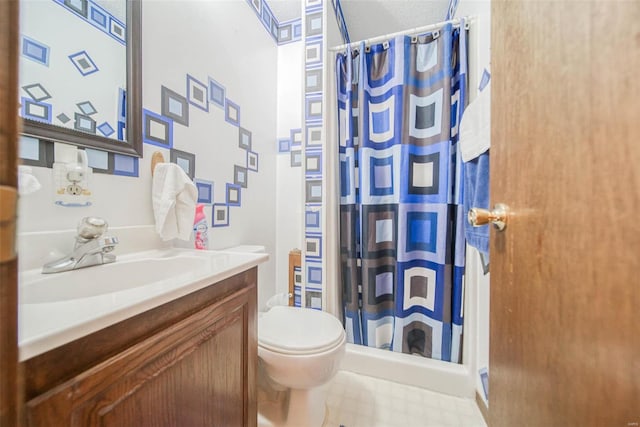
[333, 37]
[222, 39]
[476, 321]
[480, 55]
[289, 191]
[333, 294]
[480, 40]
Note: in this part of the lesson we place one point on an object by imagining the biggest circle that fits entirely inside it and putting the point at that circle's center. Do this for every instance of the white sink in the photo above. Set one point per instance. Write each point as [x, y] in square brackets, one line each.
[108, 278]
[58, 308]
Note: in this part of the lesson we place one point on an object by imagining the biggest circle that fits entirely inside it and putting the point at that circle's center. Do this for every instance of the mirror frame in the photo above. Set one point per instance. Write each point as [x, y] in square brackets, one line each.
[133, 144]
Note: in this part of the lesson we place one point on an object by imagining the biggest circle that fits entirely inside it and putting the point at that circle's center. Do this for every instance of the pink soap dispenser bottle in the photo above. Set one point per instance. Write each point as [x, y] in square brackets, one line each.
[200, 229]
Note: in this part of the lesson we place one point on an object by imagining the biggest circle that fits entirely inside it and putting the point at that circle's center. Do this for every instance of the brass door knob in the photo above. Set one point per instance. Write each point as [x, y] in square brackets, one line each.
[497, 216]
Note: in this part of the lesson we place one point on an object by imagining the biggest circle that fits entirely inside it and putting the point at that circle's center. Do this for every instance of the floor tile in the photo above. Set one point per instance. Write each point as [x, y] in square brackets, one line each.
[359, 401]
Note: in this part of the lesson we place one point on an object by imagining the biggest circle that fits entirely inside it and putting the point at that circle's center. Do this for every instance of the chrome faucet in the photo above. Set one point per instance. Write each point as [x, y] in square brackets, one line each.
[90, 248]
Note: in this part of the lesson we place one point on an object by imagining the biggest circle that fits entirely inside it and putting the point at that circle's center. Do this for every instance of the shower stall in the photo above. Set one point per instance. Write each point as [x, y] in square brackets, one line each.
[444, 328]
[399, 264]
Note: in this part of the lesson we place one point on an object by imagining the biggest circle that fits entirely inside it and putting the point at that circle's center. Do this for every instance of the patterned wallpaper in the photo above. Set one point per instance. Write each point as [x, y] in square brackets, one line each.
[292, 146]
[304, 145]
[159, 122]
[174, 111]
[33, 106]
[281, 32]
[313, 139]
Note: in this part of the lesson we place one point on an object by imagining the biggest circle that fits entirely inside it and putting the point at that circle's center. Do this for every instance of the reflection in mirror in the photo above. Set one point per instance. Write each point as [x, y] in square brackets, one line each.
[80, 72]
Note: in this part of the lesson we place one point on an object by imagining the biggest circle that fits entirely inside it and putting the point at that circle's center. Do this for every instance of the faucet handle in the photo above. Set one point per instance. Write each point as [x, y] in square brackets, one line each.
[91, 227]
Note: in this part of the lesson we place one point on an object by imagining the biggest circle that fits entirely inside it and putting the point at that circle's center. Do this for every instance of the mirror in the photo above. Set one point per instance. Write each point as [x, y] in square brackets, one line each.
[80, 73]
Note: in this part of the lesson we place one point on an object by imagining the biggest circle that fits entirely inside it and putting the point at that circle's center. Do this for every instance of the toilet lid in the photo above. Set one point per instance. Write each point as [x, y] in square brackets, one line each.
[293, 330]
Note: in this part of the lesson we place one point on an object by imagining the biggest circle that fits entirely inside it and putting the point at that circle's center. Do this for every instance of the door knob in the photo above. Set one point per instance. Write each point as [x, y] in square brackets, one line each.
[497, 216]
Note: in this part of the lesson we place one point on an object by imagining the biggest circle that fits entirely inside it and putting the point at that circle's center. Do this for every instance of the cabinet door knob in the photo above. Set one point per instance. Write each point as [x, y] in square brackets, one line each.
[497, 216]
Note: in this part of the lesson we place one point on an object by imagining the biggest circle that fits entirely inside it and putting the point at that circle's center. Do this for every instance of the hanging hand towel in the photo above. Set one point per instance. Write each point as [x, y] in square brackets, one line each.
[174, 198]
[475, 140]
[476, 195]
[475, 127]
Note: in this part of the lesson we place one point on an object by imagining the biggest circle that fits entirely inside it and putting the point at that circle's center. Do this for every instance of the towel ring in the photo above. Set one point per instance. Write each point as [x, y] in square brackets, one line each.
[156, 158]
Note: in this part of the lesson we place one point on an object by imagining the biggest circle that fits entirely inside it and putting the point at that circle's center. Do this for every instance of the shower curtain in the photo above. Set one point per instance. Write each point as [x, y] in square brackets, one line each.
[401, 230]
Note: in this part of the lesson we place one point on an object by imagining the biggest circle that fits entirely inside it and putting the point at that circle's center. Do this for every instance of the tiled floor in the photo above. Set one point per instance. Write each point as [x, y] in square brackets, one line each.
[359, 401]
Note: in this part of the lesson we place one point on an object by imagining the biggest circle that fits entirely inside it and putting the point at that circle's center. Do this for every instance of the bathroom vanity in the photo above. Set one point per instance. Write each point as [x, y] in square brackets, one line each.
[189, 361]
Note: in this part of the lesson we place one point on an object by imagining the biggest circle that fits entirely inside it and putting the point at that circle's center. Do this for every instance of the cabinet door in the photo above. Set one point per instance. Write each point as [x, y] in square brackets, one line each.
[195, 373]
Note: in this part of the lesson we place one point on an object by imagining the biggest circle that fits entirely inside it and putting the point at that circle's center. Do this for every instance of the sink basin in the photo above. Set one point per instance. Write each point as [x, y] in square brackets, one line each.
[55, 309]
[109, 278]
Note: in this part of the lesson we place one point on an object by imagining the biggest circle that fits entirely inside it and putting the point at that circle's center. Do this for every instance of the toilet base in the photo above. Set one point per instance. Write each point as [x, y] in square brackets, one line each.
[306, 407]
[292, 408]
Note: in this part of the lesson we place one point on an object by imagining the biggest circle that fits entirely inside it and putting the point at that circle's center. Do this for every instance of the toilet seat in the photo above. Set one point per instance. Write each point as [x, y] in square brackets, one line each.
[298, 331]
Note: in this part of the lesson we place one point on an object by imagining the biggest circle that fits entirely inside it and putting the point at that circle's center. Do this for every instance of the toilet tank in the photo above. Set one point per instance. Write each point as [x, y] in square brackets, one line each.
[246, 248]
[273, 300]
[265, 287]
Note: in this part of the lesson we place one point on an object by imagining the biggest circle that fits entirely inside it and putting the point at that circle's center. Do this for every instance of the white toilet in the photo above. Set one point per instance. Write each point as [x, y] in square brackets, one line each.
[299, 352]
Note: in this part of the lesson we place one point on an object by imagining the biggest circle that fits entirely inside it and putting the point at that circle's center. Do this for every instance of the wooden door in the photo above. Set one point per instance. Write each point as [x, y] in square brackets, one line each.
[9, 378]
[565, 280]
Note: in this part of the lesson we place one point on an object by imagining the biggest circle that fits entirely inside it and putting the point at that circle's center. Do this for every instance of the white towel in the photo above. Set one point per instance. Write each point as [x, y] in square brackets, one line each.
[174, 198]
[27, 183]
[475, 127]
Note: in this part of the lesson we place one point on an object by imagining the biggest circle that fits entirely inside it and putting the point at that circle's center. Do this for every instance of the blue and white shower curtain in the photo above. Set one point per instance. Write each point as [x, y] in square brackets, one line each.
[401, 229]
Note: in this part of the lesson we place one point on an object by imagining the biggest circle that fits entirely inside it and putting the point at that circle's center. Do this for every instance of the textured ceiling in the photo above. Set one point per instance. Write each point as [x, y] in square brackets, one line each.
[370, 18]
[285, 10]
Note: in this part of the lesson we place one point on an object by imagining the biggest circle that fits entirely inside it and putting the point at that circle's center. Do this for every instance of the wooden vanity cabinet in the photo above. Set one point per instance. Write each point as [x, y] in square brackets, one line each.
[190, 362]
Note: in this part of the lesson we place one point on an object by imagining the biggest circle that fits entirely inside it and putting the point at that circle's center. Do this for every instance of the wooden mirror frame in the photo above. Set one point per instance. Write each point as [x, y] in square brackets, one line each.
[133, 144]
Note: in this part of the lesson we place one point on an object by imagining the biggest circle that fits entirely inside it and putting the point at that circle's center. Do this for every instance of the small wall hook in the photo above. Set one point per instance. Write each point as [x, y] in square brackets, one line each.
[156, 158]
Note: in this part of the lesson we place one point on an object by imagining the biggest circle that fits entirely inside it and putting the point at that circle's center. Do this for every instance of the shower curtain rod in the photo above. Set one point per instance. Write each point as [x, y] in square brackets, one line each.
[454, 22]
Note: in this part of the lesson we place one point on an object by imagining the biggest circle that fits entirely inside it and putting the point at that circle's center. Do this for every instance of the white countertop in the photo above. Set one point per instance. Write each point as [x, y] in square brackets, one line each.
[51, 317]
